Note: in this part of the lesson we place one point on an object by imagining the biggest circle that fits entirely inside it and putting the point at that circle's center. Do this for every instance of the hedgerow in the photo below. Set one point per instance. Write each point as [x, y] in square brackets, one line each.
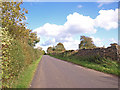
[17, 42]
[16, 55]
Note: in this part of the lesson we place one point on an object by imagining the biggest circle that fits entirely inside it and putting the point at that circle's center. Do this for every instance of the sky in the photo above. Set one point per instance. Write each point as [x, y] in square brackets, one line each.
[65, 22]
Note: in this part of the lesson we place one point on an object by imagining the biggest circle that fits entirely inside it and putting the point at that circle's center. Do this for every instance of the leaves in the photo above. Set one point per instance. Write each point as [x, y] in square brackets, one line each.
[58, 48]
[12, 15]
[17, 42]
[86, 42]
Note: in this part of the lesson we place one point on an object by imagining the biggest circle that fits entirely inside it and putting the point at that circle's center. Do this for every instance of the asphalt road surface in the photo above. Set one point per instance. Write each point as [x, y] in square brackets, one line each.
[55, 73]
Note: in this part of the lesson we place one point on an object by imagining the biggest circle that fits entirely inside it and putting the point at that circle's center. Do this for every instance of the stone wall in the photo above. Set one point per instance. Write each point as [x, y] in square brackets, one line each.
[112, 52]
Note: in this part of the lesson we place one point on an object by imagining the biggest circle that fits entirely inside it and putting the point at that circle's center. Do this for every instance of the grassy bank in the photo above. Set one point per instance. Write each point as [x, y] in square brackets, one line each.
[26, 76]
[94, 62]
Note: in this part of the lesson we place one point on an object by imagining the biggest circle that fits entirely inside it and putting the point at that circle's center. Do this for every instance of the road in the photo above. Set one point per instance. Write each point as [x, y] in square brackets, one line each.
[55, 73]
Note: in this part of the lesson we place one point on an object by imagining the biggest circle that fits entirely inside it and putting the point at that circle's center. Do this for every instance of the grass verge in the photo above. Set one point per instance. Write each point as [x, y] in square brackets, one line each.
[107, 66]
[26, 76]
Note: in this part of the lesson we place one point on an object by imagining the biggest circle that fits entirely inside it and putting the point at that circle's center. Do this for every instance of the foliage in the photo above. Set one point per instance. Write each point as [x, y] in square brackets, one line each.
[33, 39]
[17, 43]
[43, 52]
[49, 50]
[26, 76]
[57, 49]
[12, 14]
[6, 42]
[16, 56]
[13, 17]
[86, 43]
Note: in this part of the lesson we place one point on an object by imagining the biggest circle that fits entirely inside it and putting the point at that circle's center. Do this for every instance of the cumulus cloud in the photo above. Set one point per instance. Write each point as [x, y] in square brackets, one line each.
[77, 24]
[97, 41]
[48, 42]
[71, 45]
[49, 29]
[112, 40]
[107, 19]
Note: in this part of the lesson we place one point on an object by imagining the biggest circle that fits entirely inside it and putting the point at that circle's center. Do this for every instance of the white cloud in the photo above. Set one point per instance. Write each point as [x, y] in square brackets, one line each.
[79, 6]
[71, 44]
[112, 40]
[48, 42]
[76, 24]
[49, 29]
[97, 41]
[107, 19]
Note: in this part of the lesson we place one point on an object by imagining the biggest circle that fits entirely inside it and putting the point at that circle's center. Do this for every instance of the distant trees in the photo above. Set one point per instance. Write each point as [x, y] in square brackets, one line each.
[113, 44]
[49, 50]
[58, 48]
[86, 43]
[41, 50]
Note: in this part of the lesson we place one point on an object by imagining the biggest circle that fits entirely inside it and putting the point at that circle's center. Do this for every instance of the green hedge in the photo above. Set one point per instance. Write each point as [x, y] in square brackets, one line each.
[17, 55]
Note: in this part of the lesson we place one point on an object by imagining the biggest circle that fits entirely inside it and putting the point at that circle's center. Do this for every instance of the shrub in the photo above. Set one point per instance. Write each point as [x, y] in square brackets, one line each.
[16, 56]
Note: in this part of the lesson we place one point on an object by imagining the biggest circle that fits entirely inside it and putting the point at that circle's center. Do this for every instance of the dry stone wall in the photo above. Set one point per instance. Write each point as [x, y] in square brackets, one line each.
[112, 52]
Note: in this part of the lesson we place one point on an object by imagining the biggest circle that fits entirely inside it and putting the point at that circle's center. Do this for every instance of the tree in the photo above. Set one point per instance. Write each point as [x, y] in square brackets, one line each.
[53, 48]
[13, 17]
[33, 39]
[12, 13]
[16, 53]
[59, 47]
[86, 42]
[49, 50]
[43, 52]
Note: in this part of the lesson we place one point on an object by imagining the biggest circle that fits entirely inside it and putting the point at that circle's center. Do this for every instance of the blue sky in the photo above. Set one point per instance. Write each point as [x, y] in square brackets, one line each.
[66, 21]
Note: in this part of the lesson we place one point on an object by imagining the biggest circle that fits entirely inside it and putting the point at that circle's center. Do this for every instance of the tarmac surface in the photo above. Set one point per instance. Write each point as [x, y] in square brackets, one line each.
[55, 73]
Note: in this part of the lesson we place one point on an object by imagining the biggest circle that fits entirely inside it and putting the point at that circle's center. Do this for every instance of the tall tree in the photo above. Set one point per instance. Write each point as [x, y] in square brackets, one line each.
[86, 42]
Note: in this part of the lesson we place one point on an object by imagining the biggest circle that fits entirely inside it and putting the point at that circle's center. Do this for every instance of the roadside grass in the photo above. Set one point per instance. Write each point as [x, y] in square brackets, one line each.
[100, 64]
[25, 78]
